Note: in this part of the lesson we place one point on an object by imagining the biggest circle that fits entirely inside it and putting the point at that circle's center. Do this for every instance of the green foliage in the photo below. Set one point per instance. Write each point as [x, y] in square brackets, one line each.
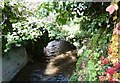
[91, 68]
[84, 55]
[62, 11]
[16, 27]
[65, 23]
[22, 31]
[74, 78]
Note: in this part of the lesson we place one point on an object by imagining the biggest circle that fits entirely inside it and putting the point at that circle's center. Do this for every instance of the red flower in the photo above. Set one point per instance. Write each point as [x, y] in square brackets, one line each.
[117, 66]
[104, 60]
[112, 80]
[110, 71]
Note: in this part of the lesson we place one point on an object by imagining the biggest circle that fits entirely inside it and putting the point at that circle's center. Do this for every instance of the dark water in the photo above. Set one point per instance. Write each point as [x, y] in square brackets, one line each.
[33, 72]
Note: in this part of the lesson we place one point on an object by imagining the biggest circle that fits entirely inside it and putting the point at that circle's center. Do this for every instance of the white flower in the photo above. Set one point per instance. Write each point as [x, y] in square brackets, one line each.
[61, 2]
[66, 27]
[71, 36]
[74, 28]
[76, 44]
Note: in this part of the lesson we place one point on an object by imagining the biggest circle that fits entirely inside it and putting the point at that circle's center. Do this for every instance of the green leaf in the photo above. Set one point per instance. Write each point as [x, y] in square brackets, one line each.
[87, 52]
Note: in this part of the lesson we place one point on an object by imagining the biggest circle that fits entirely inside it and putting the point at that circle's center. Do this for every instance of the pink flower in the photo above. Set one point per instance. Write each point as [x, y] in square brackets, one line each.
[117, 66]
[103, 78]
[112, 8]
[118, 28]
[101, 58]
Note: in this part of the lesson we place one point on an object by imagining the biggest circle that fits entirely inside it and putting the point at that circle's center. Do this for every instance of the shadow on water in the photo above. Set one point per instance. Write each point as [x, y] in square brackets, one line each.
[34, 73]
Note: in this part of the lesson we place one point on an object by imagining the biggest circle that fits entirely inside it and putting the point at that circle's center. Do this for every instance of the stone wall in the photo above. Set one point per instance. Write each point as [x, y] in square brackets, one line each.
[13, 62]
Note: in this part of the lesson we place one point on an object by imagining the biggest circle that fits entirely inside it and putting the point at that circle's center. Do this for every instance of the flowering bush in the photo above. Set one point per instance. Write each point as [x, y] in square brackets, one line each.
[112, 73]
